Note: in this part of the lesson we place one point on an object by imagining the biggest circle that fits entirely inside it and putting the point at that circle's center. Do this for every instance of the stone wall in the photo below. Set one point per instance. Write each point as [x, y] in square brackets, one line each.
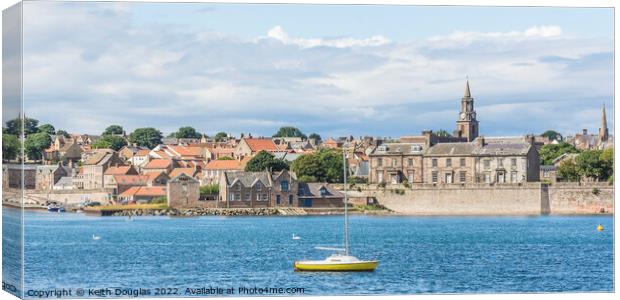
[484, 199]
[585, 198]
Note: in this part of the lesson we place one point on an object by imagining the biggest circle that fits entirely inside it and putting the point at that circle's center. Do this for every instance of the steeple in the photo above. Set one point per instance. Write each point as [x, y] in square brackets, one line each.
[603, 132]
[467, 92]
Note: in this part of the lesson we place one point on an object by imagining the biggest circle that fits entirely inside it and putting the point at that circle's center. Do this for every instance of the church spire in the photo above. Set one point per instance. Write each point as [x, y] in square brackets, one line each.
[603, 132]
[467, 92]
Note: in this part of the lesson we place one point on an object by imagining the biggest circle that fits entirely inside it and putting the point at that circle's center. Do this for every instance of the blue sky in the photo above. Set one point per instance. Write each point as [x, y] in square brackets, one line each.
[335, 70]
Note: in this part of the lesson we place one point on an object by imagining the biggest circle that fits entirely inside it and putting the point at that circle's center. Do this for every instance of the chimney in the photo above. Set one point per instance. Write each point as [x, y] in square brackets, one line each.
[584, 131]
[480, 141]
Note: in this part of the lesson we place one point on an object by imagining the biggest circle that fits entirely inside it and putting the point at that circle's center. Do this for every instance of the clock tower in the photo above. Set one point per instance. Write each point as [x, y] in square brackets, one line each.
[467, 124]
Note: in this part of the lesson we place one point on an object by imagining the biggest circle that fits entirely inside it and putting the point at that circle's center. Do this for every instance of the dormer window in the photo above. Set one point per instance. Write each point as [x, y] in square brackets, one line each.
[323, 191]
[259, 187]
[284, 185]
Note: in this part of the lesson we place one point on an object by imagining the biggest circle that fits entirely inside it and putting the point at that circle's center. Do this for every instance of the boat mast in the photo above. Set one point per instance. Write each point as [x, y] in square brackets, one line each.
[346, 202]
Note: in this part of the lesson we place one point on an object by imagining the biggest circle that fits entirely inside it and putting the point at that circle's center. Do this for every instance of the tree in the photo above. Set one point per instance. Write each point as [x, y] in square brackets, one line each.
[265, 161]
[113, 142]
[11, 146]
[315, 136]
[324, 165]
[220, 136]
[589, 164]
[443, 133]
[550, 152]
[113, 129]
[47, 128]
[552, 135]
[187, 132]
[14, 126]
[63, 133]
[289, 132]
[35, 144]
[607, 161]
[147, 137]
[567, 170]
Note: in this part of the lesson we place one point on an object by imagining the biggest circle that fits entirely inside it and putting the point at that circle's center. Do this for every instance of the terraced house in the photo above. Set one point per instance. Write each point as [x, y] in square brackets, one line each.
[258, 189]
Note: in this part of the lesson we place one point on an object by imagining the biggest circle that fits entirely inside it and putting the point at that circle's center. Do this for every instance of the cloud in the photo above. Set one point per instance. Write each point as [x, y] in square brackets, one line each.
[88, 65]
[278, 33]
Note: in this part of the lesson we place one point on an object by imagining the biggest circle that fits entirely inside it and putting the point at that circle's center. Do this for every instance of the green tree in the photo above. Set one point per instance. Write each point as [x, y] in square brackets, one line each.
[324, 165]
[265, 161]
[589, 164]
[289, 132]
[63, 133]
[147, 137]
[14, 126]
[35, 144]
[550, 152]
[315, 136]
[567, 170]
[113, 129]
[220, 136]
[11, 146]
[443, 133]
[113, 142]
[210, 189]
[47, 128]
[552, 135]
[187, 132]
[607, 161]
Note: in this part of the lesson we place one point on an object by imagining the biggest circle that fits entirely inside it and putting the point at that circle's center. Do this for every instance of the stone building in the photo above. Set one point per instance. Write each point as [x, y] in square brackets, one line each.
[501, 160]
[467, 125]
[183, 191]
[93, 169]
[48, 175]
[285, 188]
[397, 162]
[450, 163]
[316, 194]
[258, 189]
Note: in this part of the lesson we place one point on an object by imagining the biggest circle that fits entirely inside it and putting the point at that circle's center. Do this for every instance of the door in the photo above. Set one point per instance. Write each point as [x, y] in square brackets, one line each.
[501, 177]
[448, 177]
[307, 203]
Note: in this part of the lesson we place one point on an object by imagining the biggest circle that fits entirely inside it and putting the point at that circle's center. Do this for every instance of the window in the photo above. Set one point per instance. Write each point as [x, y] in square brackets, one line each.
[237, 197]
[462, 176]
[380, 176]
[462, 162]
[284, 185]
[487, 164]
[302, 190]
[410, 176]
[487, 177]
[513, 162]
[434, 175]
[434, 162]
[261, 197]
[546, 173]
[410, 162]
[259, 187]
[238, 187]
[323, 191]
[379, 162]
[247, 196]
[513, 176]
[500, 162]
[394, 162]
[448, 178]
[448, 162]
[290, 199]
[278, 199]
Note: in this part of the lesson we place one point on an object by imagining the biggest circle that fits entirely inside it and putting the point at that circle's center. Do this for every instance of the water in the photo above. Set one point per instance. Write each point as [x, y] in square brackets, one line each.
[417, 254]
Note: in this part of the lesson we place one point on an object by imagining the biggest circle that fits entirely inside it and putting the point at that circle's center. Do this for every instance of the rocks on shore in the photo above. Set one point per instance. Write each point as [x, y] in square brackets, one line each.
[192, 212]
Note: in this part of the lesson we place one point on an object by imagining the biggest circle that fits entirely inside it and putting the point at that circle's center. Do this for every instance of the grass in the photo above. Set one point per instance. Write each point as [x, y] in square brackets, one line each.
[127, 207]
[369, 207]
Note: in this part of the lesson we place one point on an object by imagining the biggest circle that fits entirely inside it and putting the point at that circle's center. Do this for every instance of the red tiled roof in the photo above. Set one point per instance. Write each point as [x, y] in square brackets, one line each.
[131, 179]
[143, 152]
[158, 164]
[187, 151]
[177, 171]
[257, 145]
[149, 191]
[120, 170]
[224, 165]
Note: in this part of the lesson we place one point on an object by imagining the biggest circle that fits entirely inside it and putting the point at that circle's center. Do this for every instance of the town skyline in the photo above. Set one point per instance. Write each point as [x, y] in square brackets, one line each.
[181, 67]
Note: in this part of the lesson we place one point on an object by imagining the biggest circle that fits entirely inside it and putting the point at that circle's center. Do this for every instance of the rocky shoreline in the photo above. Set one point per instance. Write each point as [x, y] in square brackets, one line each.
[195, 212]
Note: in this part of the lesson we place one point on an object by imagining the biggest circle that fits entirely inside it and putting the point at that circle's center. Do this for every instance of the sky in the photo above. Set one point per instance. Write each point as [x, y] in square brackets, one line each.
[331, 69]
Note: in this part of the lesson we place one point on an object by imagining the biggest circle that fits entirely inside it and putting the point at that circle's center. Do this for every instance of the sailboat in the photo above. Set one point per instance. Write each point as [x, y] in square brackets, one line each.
[342, 260]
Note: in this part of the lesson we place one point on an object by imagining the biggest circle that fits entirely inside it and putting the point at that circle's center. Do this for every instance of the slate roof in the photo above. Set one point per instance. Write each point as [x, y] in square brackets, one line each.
[247, 178]
[313, 190]
[399, 148]
[502, 146]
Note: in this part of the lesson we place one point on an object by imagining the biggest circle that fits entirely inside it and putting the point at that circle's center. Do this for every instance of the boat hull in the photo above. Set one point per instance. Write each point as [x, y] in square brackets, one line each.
[360, 266]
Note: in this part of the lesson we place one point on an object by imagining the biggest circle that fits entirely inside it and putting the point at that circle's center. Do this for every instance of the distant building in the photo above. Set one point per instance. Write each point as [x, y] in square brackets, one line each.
[467, 125]
[48, 175]
[258, 189]
[183, 191]
[318, 194]
[93, 169]
[397, 162]
[215, 168]
[251, 146]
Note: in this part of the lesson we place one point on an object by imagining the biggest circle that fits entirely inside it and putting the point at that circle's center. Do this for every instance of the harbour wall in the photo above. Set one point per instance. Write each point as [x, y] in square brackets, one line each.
[69, 198]
[486, 199]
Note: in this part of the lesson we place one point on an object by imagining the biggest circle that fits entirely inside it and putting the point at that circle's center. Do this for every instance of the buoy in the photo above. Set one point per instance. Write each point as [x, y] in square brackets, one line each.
[599, 227]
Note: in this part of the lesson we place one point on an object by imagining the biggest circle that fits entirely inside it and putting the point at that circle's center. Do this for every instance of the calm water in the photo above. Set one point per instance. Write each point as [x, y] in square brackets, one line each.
[417, 254]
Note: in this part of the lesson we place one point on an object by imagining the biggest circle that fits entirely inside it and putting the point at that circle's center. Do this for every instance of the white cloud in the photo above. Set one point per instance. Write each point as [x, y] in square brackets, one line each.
[468, 37]
[279, 34]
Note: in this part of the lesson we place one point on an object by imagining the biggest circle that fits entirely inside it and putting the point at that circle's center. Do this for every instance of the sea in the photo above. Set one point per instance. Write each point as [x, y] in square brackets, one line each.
[92, 256]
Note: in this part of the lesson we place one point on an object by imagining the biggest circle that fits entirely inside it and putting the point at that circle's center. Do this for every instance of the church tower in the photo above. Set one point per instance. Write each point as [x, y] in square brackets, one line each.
[603, 132]
[467, 124]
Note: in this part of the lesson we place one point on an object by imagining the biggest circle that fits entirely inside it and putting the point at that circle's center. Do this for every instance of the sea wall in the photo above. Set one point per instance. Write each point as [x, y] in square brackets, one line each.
[487, 199]
[585, 198]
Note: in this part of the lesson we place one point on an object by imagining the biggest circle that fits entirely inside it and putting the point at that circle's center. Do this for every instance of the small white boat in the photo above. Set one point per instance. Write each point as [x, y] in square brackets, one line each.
[95, 237]
[295, 237]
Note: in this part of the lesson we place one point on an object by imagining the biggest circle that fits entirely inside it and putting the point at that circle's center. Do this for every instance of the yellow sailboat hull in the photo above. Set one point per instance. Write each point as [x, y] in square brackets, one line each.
[361, 266]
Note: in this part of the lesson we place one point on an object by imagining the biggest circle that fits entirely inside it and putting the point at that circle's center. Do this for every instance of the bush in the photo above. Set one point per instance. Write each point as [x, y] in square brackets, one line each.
[210, 189]
[159, 200]
[381, 184]
[596, 191]
[406, 184]
[357, 179]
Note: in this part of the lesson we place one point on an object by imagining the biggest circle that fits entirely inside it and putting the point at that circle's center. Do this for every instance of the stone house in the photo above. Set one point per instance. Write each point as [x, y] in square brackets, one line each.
[251, 146]
[128, 152]
[140, 158]
[449, 163]
[501, 160]
[157, 179]
[396, 162]
[48, 175]
[158, 166]
[93, 169]
[215, 168]
[109, 180]
[316, 194]
[285, 189]
[245, 189]
[120, 183]
[184, 191]
[63, 150]
[548, 174]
